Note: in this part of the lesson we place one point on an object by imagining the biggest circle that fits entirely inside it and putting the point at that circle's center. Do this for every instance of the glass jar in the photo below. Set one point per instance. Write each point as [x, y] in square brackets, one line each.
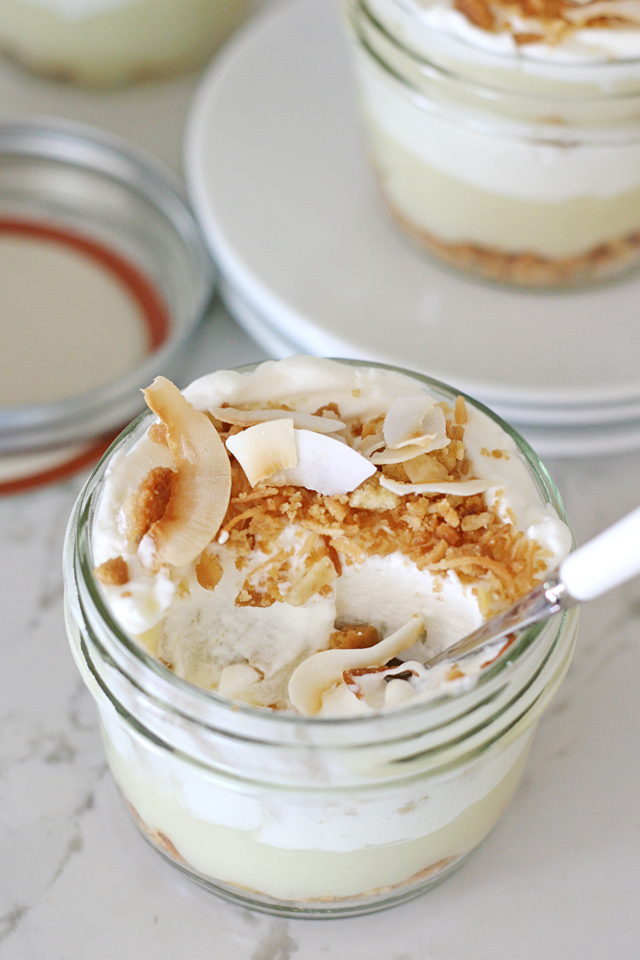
[108, 42]
[514, 165]
[298, 816]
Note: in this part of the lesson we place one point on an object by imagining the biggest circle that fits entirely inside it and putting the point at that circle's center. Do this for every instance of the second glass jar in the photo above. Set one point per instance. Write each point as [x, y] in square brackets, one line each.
[110, 42]
[514, 169]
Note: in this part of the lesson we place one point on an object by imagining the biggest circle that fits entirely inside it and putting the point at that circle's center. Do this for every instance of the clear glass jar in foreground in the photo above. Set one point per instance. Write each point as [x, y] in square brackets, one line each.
[518, 169]
[108, 42]
[306, 816]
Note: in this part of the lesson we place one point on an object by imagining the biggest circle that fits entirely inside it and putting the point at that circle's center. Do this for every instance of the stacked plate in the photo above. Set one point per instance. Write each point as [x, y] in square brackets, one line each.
[310, 263]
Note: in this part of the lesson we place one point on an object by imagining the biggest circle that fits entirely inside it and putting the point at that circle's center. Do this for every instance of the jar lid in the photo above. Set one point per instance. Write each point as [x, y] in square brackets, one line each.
[103, 279]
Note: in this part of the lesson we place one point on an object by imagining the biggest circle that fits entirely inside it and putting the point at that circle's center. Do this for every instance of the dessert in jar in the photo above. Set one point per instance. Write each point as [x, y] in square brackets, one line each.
[505, 134]
[108, 42]
[254, 578]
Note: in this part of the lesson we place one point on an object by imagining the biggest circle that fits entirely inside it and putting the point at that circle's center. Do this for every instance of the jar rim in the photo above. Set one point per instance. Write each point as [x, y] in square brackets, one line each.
[430, 68]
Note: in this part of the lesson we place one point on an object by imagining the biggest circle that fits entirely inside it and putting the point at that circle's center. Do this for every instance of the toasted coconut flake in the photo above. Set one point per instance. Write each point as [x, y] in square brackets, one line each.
[403, 455]
[321, 574]
[348, 549]
[418, 421]
[460, 411]
[305, 421]
[201, 487]
[264, 449]
[457, 488]
[371, 444]
[326, 465]
[318, 673]
[146, 505]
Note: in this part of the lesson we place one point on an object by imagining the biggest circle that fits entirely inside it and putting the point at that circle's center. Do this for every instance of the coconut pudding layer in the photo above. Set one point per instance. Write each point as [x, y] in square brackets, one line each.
[536, 179]
[331, 847]
[385, 526]
[316, 607]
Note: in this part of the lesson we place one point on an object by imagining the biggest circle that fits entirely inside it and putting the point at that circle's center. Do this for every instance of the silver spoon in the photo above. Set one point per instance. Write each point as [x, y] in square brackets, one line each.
[610, 559]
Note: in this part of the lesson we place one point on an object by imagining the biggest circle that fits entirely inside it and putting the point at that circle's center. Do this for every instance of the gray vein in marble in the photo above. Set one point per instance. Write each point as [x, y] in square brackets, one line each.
[75, 843]
[276, 944]
[49, 747]
[11, 920]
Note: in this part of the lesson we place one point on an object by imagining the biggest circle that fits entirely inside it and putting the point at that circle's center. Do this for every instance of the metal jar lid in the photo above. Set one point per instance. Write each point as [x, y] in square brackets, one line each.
[104, 277]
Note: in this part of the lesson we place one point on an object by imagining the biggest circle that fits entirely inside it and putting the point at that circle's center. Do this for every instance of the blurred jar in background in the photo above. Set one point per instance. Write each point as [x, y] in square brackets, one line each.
[505, 134]
[109, 42]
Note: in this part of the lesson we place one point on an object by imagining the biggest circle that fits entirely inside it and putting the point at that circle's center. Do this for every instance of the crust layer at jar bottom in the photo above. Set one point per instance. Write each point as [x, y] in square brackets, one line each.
[367, 902]
[525, 269]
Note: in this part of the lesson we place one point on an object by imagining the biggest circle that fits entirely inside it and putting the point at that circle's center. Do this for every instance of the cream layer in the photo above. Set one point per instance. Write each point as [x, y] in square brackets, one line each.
[297, 846]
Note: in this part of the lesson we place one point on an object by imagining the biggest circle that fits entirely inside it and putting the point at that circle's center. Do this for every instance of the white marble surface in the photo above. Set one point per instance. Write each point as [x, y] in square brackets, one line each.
[558, 878]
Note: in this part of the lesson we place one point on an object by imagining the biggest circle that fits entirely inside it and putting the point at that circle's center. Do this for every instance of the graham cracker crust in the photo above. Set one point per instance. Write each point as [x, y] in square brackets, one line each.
[603, 262]
[165, 845]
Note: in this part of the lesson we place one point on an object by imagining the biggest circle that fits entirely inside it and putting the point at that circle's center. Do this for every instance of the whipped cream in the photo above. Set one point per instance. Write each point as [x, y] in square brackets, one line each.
[256, 621]
[581, 42]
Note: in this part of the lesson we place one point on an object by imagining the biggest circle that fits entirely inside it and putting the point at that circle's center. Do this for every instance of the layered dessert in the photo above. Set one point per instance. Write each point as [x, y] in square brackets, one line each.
[322, 508]
[107, 42]
[505, 133]
[297, 540]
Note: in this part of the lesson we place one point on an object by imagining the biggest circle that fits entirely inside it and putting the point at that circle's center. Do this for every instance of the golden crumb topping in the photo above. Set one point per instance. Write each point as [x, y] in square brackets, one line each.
[549, 21]
[290, 542]
[113, 572]
[208, 571]
[354, 637]
[437, 532]
[146, 505]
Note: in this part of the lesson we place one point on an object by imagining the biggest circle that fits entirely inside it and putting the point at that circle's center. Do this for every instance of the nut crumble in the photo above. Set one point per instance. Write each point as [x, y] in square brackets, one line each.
[113, 572]
[389, 530]
[547, 21]
[437, 532]
[524, 269]
[148, 503]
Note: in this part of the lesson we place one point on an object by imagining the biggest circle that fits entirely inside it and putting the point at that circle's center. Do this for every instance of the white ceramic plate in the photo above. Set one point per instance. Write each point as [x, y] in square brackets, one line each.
[267, 337]
[548, 441]
[277, 345]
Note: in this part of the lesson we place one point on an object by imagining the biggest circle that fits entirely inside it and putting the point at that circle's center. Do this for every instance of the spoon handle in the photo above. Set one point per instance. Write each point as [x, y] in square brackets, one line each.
[611, 558]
